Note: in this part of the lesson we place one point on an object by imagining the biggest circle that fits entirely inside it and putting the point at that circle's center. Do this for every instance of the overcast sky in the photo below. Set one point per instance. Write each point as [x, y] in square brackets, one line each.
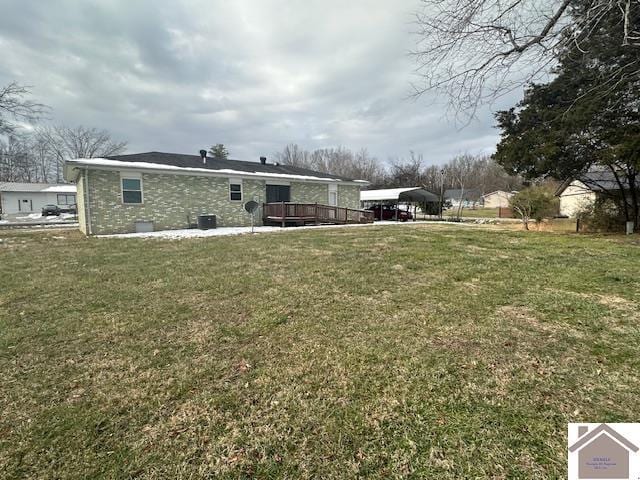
[178, 76]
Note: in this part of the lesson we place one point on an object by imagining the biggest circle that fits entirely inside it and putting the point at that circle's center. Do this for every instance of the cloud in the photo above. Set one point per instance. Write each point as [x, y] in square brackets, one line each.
[180, 76]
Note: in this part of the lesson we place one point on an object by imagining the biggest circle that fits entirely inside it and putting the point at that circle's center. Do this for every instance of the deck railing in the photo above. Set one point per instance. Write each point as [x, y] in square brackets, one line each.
[288, 212]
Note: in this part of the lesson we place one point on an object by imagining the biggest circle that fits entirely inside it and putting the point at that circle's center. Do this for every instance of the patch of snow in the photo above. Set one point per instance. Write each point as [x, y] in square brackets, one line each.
[65, 226]
[194, 233]
[31, 216]
[225, 231]
[38, 217]
[48, 218]
[60, 189]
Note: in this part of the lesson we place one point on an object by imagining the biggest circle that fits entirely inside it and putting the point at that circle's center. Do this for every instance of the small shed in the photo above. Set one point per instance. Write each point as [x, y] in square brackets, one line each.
[428, 202]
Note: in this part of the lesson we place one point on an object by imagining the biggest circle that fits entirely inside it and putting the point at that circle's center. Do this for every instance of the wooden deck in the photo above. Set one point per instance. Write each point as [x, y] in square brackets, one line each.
[284, 213]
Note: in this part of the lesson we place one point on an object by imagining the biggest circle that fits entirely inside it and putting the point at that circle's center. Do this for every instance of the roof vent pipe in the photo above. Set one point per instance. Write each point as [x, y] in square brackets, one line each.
[263, 160]
[203, 154]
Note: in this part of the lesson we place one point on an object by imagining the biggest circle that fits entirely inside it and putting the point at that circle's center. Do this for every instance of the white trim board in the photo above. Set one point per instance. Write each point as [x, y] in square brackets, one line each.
[118, 166]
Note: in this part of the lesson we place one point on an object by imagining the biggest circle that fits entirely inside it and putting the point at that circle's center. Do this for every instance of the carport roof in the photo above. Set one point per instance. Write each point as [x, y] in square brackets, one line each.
[407, 194]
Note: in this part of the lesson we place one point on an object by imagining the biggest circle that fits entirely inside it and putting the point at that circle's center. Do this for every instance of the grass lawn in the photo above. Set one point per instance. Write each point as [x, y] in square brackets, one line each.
[383, 352]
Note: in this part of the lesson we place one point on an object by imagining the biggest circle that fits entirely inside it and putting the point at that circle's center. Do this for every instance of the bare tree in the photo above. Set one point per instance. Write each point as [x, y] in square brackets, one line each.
[461, 173]
[293, 155]
[406, 172]
[83, 142]
[63, 142]
[337, 161]
[16, 107]
[475, 51]
[43, 163]
[14, 160]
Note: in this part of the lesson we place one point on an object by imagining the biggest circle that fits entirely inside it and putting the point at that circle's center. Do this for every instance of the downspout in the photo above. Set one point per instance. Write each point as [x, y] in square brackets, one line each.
[87, 210]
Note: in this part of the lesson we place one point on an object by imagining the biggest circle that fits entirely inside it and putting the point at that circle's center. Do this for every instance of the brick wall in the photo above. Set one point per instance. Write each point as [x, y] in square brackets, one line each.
[170, 201]
[309, 193]
[349, 196]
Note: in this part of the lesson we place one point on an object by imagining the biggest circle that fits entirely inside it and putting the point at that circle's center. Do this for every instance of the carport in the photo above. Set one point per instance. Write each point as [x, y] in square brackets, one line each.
[415, 196]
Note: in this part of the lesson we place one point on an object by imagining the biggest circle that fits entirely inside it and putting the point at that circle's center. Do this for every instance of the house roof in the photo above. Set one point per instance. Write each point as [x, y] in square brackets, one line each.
[600, 180]
[411, 194]
[467, 194]
[600, 429]
[37, 187]
[194, 163]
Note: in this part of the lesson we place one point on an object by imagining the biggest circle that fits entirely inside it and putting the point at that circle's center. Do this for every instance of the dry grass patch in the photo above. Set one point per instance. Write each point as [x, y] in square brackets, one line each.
[379, 352]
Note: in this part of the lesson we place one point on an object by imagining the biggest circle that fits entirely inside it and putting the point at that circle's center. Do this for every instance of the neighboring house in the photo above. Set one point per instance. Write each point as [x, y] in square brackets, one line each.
[602, 453]
[468, 197]
[171, 190]
[582, 191]
[16, 198]
[497, 199]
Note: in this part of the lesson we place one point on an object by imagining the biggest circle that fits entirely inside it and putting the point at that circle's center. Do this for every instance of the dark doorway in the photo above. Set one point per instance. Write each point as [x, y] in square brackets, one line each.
[22, 205]
[278, 193]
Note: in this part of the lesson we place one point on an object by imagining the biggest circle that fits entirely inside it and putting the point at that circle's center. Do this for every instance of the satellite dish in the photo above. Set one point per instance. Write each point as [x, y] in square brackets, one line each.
[251, 206]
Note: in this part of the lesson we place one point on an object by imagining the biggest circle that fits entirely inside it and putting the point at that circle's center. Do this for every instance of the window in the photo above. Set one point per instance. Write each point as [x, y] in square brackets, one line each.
[66, 199]
[333, 195]
[235, 190]
[132, 190]
[278, 193]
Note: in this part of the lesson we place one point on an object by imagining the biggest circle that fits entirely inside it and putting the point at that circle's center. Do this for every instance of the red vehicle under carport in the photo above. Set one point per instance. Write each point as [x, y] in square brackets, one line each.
[394, 203]
[390, 213]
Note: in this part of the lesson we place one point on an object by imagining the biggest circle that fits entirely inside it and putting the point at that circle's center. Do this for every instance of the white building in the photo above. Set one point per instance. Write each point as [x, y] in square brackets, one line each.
[582, 191]
[31, 197]
[575, 197]
[497, 199]
[468, 197]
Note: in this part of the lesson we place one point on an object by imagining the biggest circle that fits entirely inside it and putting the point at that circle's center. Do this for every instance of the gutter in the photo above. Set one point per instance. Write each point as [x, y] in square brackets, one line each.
[213, 173]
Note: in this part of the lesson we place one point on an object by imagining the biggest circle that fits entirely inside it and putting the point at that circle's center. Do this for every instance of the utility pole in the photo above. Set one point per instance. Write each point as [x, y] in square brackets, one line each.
[441, 191]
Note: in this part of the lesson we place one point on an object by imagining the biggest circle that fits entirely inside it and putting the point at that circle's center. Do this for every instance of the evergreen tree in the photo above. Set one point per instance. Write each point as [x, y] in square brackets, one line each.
[574, 122]
[219, 152]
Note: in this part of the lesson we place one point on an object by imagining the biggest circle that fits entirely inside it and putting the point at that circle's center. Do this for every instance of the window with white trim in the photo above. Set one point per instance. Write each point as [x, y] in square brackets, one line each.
[235, 190]
[333, 195]
[66, 199]
[131, 190]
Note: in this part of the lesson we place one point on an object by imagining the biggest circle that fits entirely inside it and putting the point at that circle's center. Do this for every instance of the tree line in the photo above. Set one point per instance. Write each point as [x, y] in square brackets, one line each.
[37, 154]
[465, 171]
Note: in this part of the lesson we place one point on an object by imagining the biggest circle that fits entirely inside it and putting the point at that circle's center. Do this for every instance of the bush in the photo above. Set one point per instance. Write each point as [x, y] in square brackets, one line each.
[605, 215]
[534, 203]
